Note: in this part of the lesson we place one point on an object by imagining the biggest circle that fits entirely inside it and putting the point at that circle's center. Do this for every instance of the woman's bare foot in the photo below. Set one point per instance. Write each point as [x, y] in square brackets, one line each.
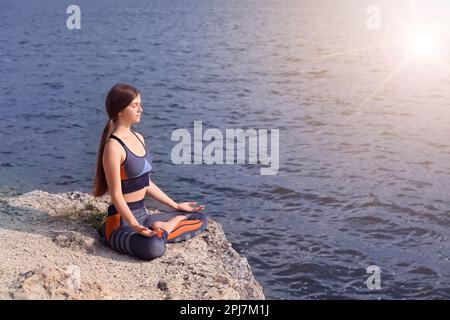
[168, 225]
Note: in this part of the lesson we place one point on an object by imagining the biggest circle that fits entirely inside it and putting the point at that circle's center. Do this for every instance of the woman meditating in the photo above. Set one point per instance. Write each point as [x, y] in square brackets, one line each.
[123, 169]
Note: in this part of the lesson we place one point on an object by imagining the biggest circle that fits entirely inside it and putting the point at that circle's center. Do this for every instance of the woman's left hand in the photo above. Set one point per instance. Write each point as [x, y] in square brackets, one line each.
[189, 207]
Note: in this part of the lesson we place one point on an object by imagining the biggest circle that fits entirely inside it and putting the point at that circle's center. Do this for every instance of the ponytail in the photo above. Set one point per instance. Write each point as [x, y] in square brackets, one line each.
[100, 184]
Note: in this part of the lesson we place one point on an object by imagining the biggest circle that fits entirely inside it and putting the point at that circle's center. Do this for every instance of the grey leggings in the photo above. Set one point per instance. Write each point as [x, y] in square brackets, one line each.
[123, 238]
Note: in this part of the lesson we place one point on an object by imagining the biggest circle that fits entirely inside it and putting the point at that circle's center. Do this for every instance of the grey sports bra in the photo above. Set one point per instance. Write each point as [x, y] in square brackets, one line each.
[134, 170]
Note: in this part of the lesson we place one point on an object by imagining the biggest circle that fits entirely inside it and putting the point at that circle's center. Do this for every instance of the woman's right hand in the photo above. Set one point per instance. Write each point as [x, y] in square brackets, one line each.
[146, 232]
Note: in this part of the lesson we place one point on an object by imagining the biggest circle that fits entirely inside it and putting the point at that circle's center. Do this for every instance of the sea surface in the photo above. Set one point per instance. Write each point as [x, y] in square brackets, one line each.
[364, 148]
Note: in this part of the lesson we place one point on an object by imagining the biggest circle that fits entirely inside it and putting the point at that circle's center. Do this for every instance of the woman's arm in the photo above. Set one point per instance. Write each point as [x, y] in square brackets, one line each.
[157, 194]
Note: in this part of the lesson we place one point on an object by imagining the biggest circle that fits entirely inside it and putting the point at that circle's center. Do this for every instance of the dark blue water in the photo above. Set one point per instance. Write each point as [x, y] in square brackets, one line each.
[358, 184]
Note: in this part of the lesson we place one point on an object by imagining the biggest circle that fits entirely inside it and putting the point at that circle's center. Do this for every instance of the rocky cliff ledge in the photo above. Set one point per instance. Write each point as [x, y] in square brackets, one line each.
[50, 249]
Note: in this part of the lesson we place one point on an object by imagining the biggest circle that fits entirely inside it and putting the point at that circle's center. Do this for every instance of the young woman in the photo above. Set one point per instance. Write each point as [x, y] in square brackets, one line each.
[123, 169]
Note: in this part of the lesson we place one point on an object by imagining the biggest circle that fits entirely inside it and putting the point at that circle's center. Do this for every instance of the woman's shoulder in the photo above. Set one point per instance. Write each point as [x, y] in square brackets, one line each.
[114, 151]
[112, 146]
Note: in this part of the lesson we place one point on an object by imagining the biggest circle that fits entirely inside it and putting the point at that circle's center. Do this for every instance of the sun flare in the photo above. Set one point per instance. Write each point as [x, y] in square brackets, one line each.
[420, 41]
[422, 44]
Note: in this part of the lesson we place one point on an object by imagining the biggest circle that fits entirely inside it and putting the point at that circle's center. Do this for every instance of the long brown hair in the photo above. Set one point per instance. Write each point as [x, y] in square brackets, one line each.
[117, 99]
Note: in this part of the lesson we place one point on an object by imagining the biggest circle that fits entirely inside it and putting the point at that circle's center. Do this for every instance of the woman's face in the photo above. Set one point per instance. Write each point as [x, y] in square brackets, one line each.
[132, 113]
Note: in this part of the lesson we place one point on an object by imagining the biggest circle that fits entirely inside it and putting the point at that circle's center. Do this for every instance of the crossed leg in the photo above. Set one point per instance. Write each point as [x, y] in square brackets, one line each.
[179, 226]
